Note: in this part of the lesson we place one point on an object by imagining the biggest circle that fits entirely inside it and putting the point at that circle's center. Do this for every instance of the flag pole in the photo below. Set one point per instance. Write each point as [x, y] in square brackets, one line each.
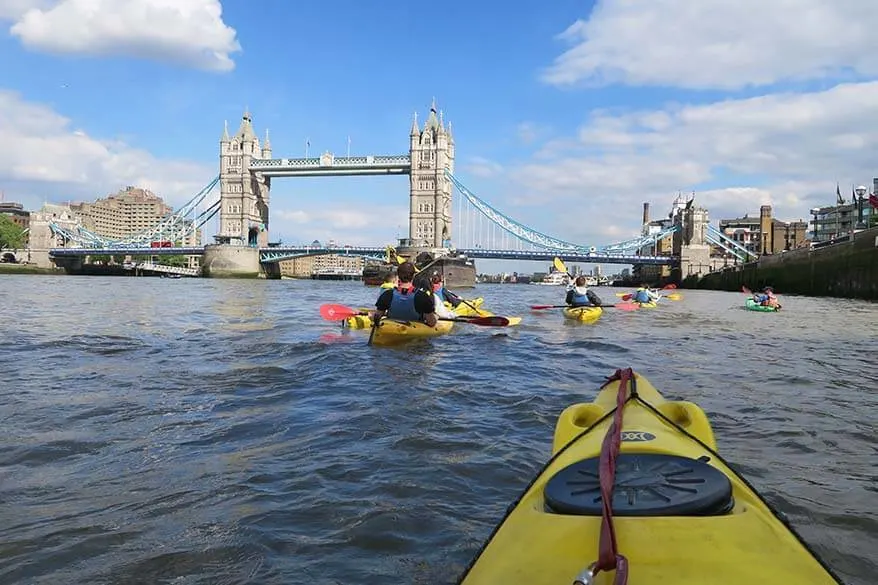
[307, 146]
[349, 147]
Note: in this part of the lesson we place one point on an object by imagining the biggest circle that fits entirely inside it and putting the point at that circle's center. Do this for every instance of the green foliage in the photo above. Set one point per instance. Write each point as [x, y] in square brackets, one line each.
[11, 234]
[179, 261]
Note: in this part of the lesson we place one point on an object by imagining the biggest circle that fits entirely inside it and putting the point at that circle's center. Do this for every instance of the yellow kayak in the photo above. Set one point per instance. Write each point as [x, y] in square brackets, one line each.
[464, 310]
[651, 305]
[681, 515]
[359, 321]
[583, 314]
[391, 332]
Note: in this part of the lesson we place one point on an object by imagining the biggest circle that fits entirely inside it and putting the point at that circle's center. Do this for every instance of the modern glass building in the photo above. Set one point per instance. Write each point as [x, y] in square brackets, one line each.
[835, 221]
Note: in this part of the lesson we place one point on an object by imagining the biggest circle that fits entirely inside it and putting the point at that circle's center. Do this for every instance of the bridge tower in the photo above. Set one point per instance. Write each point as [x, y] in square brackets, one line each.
[244, 194]
[690, 241]
[432, 151]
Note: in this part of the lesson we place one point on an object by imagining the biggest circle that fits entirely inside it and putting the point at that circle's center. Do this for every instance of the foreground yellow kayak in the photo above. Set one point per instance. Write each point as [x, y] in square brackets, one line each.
[583, 314]
[391, 332]
[680, 514]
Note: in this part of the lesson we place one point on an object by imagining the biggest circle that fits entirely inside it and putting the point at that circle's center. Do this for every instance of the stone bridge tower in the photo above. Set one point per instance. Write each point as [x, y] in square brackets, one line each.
[690, 241]
[244, 195]
[432, 152]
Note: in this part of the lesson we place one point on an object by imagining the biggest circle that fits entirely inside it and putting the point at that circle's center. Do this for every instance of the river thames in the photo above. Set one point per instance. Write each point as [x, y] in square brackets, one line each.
[213, 431]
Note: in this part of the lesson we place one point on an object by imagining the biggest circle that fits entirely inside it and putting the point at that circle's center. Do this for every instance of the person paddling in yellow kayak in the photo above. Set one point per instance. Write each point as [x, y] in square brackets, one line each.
[442, 293]
[645, 295]
[579, 295]
[405, 302]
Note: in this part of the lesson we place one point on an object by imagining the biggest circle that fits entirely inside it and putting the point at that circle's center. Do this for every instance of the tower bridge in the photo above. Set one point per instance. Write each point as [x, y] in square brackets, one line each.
[248, 166]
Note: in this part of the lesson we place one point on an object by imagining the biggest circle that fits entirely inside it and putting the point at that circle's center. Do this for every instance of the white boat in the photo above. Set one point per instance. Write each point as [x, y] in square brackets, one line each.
[555, 278]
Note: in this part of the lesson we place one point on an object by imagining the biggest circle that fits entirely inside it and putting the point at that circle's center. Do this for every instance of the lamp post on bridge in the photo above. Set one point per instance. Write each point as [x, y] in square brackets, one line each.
[860, 193]
[815, 211]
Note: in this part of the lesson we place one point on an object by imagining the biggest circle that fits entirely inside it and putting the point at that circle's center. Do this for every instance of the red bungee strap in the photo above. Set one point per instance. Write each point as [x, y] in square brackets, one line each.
[609, 557]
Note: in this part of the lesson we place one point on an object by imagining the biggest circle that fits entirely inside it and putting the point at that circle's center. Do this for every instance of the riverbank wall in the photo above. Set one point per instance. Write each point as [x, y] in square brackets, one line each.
[847, 269]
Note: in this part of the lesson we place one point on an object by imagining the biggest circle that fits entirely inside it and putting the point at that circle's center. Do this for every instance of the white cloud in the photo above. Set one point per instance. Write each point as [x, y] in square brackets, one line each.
[13, 9]
[53, 160]
[786, 150]
[529, 132]
[482, 167]
[717, 43]
[191, 32]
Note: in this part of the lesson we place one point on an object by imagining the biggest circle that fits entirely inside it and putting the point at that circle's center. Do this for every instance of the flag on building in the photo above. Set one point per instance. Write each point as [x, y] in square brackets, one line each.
[873, 200]
[838, 194]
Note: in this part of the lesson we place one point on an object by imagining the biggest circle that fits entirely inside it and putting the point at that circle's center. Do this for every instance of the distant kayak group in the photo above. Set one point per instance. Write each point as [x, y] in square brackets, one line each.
[404, 312]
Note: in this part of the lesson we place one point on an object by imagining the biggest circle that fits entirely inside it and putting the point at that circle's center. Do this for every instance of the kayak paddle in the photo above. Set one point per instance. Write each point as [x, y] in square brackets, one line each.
[332, 312]
[622, 306]
[338, 312]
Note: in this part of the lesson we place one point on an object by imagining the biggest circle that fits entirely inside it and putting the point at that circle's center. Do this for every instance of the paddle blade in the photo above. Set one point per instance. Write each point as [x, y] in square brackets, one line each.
[559, 265]
[673, 297]
[746, 290]
[493, 321]
[336, 312]
[627, 297]
[626, 306]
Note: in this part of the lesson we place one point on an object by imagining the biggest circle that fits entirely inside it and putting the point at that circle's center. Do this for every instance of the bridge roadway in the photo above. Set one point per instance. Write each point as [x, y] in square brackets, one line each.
[278, 253]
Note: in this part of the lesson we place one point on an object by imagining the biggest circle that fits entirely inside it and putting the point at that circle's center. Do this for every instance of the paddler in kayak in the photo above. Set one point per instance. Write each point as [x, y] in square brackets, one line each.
[766, 298]
[442, 293]
[578, 295]
[405, 302]
[389, 281]
[645, 295]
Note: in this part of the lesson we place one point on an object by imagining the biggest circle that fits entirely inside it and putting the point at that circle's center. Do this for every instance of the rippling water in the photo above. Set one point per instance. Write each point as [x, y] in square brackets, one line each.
[211, 431]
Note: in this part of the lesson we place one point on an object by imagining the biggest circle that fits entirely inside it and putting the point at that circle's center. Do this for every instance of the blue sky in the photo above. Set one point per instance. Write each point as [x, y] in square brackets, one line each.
[567, 115]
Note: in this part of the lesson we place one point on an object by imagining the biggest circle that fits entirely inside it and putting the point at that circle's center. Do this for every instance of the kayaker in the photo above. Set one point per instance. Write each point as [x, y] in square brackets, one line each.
[443, 293]
[389, 281]
[405, 302]
[579, 295]
[645, 295]
[767, 298]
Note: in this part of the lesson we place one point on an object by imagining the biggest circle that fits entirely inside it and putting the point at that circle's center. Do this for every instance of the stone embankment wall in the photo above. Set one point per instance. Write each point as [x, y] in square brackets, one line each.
[847, 269]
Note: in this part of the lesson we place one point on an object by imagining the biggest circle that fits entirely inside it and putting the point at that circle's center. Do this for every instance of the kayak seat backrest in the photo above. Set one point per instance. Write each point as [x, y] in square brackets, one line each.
[578, 417]
[646, 484]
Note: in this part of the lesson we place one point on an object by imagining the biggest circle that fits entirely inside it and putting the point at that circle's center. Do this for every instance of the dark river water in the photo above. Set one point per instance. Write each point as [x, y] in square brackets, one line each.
[209, 431]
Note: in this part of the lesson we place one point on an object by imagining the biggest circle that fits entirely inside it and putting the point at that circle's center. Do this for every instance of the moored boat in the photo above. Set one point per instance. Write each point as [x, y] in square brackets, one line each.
[677, 511]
